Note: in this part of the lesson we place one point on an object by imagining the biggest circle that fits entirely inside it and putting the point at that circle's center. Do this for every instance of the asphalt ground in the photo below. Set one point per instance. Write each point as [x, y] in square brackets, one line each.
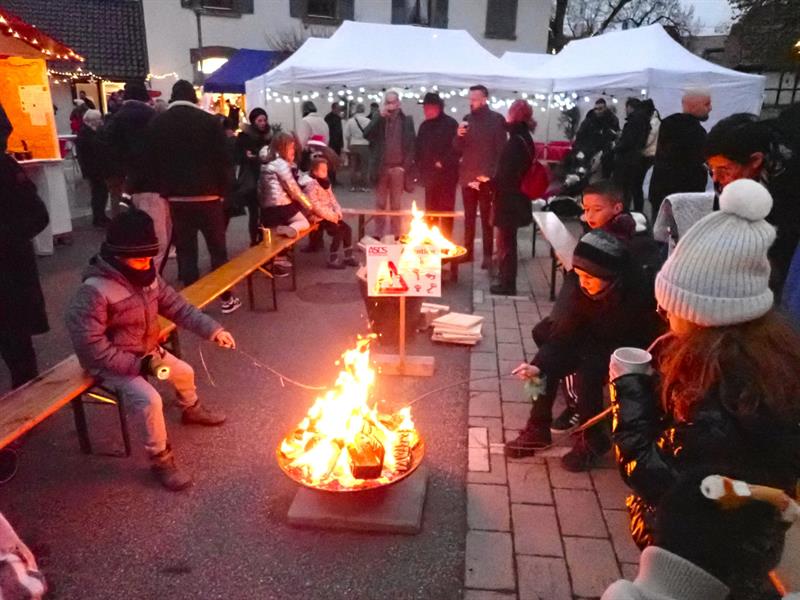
[103, 528]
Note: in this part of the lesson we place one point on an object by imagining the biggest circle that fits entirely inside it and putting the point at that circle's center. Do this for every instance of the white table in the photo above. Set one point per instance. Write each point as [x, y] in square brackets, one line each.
[48, 176]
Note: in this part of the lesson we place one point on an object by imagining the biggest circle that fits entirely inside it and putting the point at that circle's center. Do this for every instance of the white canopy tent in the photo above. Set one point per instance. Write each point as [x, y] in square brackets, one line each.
[648, 61]
[377, 55]
[526, 62]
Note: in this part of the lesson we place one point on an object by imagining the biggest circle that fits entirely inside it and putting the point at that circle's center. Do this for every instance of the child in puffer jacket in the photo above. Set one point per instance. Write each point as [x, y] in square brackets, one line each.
[282, 199]
[114, 327]
[327, 210]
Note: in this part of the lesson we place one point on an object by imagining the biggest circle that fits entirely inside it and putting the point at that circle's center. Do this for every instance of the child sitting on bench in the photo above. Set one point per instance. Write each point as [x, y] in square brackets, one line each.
[113, 323]
[327, 210]
[282, 199]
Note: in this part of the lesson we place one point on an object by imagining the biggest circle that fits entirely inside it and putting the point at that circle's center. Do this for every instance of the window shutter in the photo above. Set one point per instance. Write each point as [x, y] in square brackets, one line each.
[297, 8]
[501, 19]
[347, 10]
[246, 7]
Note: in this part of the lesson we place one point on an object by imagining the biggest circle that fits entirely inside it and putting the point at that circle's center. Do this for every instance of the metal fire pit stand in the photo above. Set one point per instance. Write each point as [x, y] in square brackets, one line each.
[400, 363]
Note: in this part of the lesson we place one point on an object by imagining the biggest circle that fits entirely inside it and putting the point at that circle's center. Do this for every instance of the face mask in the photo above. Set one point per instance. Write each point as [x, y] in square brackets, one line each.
[136, 277]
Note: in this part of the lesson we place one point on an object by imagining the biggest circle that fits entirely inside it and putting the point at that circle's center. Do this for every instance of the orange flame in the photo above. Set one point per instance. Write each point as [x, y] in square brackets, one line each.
[319, 450]
[420, 234]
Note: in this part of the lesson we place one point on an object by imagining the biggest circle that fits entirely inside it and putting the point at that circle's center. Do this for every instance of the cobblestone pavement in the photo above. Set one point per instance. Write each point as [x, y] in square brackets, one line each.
[535, 530]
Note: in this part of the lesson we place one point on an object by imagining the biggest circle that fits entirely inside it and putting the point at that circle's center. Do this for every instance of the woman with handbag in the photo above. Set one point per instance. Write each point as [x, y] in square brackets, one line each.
[253, 137]
[512, 207]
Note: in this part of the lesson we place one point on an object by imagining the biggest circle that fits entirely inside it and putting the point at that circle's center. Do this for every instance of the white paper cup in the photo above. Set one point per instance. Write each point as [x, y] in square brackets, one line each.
[632, 360]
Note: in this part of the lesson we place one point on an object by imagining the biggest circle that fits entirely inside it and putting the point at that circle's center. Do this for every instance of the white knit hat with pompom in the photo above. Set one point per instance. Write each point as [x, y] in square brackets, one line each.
[718, 273]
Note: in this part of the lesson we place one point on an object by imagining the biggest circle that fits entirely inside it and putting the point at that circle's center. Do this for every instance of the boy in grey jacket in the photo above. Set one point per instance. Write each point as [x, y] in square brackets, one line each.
[113, 323]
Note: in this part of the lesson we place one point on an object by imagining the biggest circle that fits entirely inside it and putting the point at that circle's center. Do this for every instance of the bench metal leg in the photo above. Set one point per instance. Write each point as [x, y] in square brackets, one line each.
[553, 272]
[80, 425]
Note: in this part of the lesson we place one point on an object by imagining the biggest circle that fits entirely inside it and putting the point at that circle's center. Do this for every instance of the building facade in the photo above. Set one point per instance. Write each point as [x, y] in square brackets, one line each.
[226, 25]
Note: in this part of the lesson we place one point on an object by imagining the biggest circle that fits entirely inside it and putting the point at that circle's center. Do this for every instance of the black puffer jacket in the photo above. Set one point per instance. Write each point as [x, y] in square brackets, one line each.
[653, 448]
[125, 135]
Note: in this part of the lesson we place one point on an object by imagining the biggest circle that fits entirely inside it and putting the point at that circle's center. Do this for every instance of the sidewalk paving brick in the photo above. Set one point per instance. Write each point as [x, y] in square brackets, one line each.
[542, 578]
[579, 513]
[508, 336]
[496, 475]
[484, 381]
[515, 415]
[618, 522]
[483, 361]
[536, 530]
[510, 352]
[592, 565]
[513, 390]
[489, 561]
[484, 595]
[529, 483]
[561, 478]
[493, 425]
[487, 507]
[484, 404]
[611, 490]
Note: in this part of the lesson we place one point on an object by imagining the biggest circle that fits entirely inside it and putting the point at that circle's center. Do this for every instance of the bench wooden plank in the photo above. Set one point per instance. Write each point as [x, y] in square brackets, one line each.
[30, 404]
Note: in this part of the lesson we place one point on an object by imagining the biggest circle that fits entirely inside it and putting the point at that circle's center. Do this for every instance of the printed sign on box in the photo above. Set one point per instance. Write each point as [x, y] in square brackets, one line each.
[402, 270]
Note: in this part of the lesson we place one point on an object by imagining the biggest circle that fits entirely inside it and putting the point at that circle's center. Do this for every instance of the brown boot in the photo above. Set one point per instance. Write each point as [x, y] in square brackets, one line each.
[167, 472]
[200, 415]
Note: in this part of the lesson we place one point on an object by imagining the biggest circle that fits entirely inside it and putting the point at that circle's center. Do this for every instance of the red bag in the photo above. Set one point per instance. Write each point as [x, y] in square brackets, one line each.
[536, 179]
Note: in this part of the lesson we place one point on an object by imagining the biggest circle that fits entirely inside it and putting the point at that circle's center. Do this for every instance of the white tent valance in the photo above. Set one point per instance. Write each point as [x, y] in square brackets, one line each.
[526, 61]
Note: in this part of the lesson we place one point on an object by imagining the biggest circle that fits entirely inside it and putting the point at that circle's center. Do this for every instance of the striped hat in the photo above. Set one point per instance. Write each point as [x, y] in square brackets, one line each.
[131, 234]
[718, 273]
[600, 254]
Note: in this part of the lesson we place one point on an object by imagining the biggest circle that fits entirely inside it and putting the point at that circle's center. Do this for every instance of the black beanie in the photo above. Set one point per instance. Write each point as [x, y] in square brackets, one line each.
[136, 90]
[600, 254]
[130, 234]
[255, 113]
[183, 90]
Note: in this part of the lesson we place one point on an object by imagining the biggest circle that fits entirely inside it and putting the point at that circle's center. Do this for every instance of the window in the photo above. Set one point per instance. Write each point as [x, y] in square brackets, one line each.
[429, 13]
[501, 19]
[221, 8]
[322, 12]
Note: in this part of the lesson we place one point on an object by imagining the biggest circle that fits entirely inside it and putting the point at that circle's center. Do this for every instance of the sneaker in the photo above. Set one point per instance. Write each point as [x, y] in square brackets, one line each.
[584, 454]
[335, 263]
[529, 440]
[230, 305]
[200, 415]
[8, 464]
[280, 271]
[286, 231]
[167, 472]
[566, 421]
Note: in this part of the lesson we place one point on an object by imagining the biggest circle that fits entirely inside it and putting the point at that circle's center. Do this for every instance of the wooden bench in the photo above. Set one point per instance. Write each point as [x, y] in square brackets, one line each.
[363, 213]
[65, 383]
[562, 244]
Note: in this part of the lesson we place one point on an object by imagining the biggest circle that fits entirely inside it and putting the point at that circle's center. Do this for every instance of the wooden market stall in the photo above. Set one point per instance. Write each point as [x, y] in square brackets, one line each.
[26, 99]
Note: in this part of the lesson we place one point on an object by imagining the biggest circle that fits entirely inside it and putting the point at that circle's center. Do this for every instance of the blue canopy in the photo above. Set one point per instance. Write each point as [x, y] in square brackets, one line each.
[243, 65]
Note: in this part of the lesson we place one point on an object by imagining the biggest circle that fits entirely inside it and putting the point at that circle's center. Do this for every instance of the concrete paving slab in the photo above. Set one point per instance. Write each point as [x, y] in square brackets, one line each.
[542, 578]
[396, 508]
[579, 513]
[561, 478]
[484, 404]
[529, 483]
[489, 562]
[487, 507]
[496, 475]
[591, 564]
[536, 530]
[618, 523]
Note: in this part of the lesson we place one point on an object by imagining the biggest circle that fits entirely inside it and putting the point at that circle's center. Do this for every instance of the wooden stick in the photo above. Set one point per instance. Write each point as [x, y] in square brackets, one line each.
[402, 333]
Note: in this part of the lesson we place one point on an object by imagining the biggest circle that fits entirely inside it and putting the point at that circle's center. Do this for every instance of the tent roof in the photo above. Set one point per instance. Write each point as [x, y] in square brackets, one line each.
[526, 61]
[241, 66]
[25, 39]
[378, 55]
[634, 58]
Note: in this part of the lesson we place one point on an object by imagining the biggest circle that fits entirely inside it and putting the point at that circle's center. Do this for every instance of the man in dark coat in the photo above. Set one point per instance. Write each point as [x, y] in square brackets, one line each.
[194, 172]
[335, 135]
[93, 160]
[391, 137]
[22, 309]
[680, 163]
[599, 128]
[630, 163]
[437, 161]
[479, 139]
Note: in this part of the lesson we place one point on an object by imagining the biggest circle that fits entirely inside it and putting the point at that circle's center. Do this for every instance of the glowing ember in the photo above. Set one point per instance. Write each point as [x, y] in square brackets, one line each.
[344, 444]
[420, 234]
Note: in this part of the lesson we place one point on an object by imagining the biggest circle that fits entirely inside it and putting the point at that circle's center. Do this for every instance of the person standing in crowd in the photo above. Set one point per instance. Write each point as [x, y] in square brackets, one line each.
[126, 137]
[479, 140]
[728, 374]
[357, 149]
[679, 162]
[311, 124]
[114, 327]
[22, 307]
[742, 147]
[599, 127]
[254, 136]
[92, 160]
[335, 134]
[512, 206]
[76, 116]
[192, 170]
[86, 100]
[630, 164]
[608, 303]
[437, 161]
[391, 135]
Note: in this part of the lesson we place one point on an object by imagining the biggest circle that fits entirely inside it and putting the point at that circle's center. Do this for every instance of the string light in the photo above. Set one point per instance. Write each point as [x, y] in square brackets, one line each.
[68, 54]
[156, 76]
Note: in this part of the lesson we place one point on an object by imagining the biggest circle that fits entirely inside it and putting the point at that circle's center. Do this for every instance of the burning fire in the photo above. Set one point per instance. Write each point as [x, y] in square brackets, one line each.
[421, 234]
[345, 444]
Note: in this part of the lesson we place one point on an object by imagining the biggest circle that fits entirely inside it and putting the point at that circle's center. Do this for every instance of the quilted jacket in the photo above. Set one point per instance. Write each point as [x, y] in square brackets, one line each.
[323, 201]
[277, 185]
[113, 324]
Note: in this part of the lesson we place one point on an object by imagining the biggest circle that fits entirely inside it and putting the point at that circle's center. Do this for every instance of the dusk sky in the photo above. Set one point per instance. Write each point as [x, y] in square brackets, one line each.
[710, 12]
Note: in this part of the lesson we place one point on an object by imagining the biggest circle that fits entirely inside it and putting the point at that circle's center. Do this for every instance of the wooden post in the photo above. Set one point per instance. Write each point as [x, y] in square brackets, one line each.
[402, 333]
[400, 364]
